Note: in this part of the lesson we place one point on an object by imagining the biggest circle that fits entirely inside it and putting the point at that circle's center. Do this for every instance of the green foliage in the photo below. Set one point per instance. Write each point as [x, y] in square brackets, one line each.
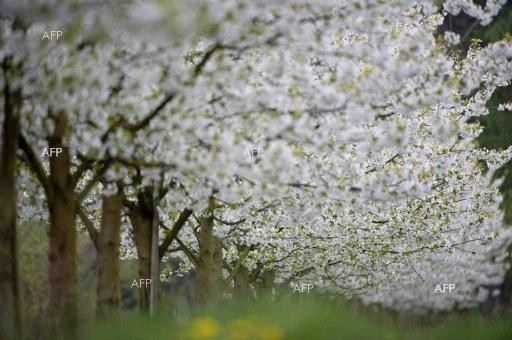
[498, 29]
[497, 133]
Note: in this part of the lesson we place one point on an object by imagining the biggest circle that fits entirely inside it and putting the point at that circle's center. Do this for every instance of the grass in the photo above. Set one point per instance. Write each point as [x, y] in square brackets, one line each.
[290, 318]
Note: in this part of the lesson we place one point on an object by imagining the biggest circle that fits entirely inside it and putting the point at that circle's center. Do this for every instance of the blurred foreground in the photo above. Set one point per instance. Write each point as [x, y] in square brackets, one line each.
[294, 318]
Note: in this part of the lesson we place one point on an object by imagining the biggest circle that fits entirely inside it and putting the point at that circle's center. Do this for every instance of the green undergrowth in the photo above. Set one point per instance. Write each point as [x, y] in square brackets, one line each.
[291, 318]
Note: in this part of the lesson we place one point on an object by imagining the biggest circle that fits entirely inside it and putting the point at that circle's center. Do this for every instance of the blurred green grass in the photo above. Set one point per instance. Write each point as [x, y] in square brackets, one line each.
[291, 318]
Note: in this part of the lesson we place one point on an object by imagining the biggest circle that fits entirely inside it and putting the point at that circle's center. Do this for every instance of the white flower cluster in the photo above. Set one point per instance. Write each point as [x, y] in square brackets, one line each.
[484, 14]
[505, 107]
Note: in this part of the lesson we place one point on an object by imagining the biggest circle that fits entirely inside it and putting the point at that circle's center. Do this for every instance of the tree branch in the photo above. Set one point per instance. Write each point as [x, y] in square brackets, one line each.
[146, 120]
[121, 122]
[85, 165]
[229, 222]
[93, 232]
[190, 254]
[35, 164]
[207, 56]
[88, 187]
[173, 233]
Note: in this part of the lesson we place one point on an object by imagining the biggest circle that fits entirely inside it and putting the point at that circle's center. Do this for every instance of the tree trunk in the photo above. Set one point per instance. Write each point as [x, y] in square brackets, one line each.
[62, 204]
[242, 288]
[10, 319]
[108, 280]
[142, 223]
[266, 283]
[155, 264]
[209, 276]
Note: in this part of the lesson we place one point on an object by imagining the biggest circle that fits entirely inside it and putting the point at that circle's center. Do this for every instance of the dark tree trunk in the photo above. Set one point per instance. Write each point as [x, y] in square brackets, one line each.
[62, 204]
[10, 322]
[155, 265]
[141, 217]
[209, 270]
[107, 245]
[142, 237]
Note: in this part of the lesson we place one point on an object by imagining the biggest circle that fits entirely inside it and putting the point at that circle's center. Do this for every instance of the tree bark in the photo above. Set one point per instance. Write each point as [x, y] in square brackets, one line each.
[266, 283]
[142, 237]
[10, 318]
[155, 263]
[141, 217]
[209, 270]
[108, 290]
[62, 206]
[241, 287]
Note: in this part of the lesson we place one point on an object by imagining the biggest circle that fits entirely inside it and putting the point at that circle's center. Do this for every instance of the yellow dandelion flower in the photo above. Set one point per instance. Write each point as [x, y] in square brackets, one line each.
[205, 328]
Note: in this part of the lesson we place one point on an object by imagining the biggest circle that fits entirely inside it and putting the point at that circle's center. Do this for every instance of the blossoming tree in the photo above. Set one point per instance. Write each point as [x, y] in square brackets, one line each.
[329, 142]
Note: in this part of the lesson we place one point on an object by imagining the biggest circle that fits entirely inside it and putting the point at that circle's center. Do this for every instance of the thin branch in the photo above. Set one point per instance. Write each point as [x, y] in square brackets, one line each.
[391, 160]
[302, 185]
[146, 120]
[384, 115]
[206, 56]
[122, 123]
[414, 269]
[267, 206]
[229, 222]
[469, 31]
